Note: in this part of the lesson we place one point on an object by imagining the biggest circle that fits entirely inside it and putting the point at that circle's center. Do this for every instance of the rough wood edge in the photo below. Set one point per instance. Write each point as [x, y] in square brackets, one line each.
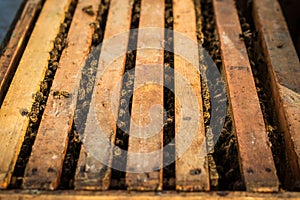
[192, 167]
[13, 124]
[45, 164]
[16, 44]
[116, 195]
[255, 156]
[93, 171]
[284, 71]
[145, 152]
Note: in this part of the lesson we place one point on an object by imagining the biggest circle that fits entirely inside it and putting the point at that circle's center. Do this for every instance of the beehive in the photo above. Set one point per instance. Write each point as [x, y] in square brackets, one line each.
[150, 99]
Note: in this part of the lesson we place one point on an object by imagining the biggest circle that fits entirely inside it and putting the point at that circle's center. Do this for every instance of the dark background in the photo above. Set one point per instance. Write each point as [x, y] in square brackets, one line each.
[291, 11]
[8, 10]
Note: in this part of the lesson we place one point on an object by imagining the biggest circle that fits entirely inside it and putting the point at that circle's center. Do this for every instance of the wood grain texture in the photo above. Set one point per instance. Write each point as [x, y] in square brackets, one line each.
[124, 195]
[45, 164]
[145, 152]
[96, 155]
[284, 70]
[191, 154]
[15, 47]
[25, 84]
[256, 161]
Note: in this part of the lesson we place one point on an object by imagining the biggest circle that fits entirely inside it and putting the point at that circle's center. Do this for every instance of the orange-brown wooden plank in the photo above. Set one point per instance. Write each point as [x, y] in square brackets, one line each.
[45, 164]
[125, 195]
[14, 49]
[255, 156]
[93, 172]
[25, 84]
[191, 154]
[284, 70]
[145, 146]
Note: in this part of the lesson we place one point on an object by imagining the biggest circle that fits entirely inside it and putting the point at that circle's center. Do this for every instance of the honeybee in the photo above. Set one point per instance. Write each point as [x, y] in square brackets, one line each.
[88, 10]
[58, 94]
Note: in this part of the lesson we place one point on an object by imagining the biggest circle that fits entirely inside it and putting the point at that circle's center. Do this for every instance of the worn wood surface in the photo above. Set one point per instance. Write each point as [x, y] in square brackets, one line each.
[124, 195]
[96, 155]
[45, 164]
[284, 70]
[145, 146]
[256, 161]
[25, 84]
[144, 165]
[15, 47]
[191, 154]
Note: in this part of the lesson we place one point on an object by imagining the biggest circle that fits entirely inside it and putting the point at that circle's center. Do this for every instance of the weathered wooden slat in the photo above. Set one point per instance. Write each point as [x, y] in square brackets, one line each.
[14, 49]
[25, 84]
[284, 70]
[145, 146]
[124, 195]
[93, 172]
[192, 166]
[45, 164]
[256, 161]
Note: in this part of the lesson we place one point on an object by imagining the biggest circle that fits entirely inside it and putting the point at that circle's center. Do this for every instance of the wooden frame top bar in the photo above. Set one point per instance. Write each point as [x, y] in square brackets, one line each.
[255, 156]
[125, 195]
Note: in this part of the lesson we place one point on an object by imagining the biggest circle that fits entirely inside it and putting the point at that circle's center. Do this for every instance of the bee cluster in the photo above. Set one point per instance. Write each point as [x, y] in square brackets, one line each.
[70, 162]
[209, 39]
[226, 158]
[85, 91]
[40, 97]
[126, 93]
[99, 24]
[89, 70]
[169, 101]
[222, 148]
[125, 102]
